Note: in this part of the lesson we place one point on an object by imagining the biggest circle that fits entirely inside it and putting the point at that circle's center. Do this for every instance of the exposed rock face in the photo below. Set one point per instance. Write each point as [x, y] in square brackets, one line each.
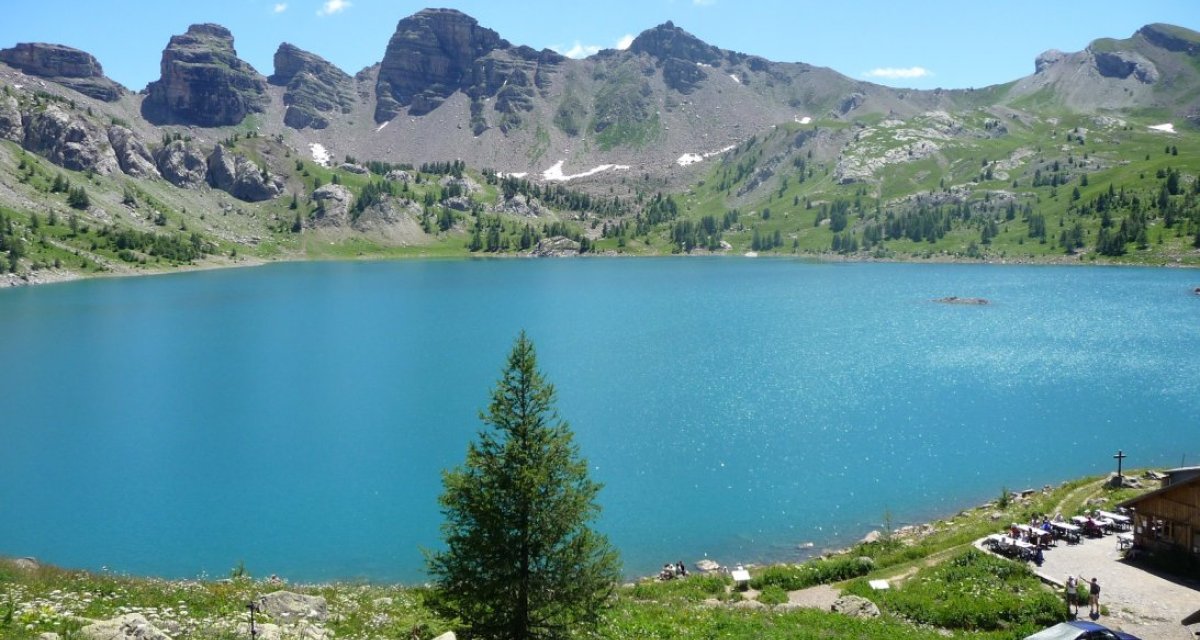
[10, 119]
[133, 626]
[68, 140]
[1122, 64]
[856, 607]
[437, 52]
[333, 206]
[286, 607]
[431, 55]
[204, 82]
[679, 53]
[132, 156]
[1171, 38]
[67, 66]
[1047, 59]
[555, 247]
[315, 88]
[241, 178]
[181, 164]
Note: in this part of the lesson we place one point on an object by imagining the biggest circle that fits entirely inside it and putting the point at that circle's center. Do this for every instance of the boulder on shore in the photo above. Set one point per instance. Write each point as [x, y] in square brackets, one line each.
[855, 607]
[131, 626]
[286, 606]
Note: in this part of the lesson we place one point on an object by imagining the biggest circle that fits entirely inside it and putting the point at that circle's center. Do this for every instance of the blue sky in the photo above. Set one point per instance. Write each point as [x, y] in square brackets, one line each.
[922, 44]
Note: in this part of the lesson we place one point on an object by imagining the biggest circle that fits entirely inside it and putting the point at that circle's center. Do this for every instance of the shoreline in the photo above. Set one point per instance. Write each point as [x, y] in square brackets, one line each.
[50, 277]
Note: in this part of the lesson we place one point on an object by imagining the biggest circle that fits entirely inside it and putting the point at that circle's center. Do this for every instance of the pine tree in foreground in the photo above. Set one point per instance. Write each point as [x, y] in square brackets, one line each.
[521, 560]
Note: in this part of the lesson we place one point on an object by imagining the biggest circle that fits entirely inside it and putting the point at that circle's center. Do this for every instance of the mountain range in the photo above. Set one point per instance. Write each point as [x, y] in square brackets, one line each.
[616, 149]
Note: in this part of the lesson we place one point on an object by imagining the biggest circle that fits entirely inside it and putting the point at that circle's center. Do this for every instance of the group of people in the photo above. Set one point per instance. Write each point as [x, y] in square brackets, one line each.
[672, 571]
[1076, 589]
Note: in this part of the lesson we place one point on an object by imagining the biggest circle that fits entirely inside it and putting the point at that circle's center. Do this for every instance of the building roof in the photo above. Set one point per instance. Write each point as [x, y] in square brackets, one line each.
[1133, 502]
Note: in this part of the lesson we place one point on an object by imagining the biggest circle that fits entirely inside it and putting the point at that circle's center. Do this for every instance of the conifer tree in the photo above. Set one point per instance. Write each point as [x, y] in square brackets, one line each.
[521, 560]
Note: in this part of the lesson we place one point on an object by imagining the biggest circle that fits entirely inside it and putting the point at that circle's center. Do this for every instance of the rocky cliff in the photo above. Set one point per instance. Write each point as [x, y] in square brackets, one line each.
[437, 52]
[204, 82]
[316, 90]
[69, 67]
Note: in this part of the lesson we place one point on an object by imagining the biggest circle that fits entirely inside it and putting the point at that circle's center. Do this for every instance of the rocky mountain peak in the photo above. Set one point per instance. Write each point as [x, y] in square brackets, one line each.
[431, 55]
[203, 81]
[669, 41]
[315, 87]
[64, 65]
[1171, 38]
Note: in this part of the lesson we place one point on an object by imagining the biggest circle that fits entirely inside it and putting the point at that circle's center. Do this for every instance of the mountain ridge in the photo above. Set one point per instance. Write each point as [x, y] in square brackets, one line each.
[732, 134]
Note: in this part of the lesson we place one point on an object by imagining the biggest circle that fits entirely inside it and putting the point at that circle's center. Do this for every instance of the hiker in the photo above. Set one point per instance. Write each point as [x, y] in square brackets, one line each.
[1072, 603]
[1094, 599]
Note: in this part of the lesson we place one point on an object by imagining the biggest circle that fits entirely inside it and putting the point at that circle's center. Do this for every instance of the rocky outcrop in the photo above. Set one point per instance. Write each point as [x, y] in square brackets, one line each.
[394, 219]
[431, 55]
[68, 140]
[132, 156]
[181, 164]
[333, 206]
[856, 607]
[288, 607]
[240, 177]
[1047, 59]
[1171, 38]
[437, 52]
[204, 82]
[680, 54]
[966, 301]
[10, 120]
[556, 247]
[315, 88]
[1123, 64]
[132, 626]
[66, 66]
[667, 41]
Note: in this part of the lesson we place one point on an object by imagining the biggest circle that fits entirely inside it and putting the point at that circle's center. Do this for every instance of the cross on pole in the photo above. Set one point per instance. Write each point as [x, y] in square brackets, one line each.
[1120, 456]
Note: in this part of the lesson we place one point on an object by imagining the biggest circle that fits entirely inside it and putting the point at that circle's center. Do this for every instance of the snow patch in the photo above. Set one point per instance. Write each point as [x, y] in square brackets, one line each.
[1166, 127]
[803, 120]
[692, 158]
[320, 154]
[555, 173]
[380, 127]
[735, 78]
[751, 254]
[518, 176]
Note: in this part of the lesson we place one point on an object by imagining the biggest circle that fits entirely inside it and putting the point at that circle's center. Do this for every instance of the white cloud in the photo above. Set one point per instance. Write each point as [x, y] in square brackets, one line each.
[281, 7]
[580, 50]
[333, 6]
[895, 73]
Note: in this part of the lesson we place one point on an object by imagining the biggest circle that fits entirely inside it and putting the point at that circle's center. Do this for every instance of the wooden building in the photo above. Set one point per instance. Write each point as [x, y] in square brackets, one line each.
[1168, 518]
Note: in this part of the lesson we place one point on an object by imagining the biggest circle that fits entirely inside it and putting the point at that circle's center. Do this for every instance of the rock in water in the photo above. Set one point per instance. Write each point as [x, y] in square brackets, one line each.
[315, 88]
[66, 66]
[289, 607]
[132, 626]
[204, 82]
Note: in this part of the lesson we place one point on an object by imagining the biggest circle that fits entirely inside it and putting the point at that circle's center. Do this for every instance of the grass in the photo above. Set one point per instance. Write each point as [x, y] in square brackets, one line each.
[942, 588]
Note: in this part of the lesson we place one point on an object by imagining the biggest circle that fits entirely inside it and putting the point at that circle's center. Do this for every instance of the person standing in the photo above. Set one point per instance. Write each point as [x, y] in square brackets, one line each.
[1094, 599]
[1072, 603]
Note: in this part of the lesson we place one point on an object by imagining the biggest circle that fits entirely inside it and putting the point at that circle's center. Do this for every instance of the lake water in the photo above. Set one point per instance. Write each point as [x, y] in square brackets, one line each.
[296, 417]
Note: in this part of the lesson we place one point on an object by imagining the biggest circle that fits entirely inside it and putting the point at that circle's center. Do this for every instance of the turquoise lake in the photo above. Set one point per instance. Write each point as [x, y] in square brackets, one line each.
[296, 417]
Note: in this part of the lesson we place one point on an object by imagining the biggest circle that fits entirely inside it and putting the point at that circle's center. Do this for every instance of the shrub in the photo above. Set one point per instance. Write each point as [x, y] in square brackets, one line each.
[801, 576]
[973, 591]
[773, 595]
